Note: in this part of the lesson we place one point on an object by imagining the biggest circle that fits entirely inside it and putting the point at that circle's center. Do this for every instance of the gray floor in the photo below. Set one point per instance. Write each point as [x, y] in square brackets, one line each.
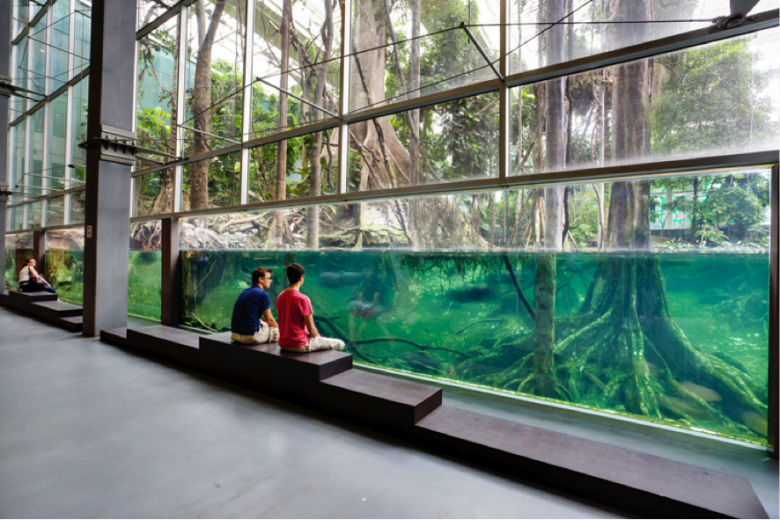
[90, 430]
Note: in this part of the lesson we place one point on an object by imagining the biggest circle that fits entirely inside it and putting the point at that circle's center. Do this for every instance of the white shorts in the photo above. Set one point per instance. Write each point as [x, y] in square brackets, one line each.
[319, 343]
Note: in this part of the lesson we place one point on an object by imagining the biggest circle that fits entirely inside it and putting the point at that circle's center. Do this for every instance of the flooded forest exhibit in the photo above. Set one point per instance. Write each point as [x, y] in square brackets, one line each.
[437, 239]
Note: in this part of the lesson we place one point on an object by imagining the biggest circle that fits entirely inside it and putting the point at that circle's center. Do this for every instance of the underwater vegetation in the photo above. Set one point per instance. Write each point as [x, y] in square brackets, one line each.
[677, 339]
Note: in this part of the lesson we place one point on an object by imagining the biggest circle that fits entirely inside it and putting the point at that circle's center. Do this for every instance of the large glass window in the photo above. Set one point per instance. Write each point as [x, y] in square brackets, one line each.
[714, 99]
[404, 50]
[60, 39]
[296, 51]
[454, 141]
[301, 167]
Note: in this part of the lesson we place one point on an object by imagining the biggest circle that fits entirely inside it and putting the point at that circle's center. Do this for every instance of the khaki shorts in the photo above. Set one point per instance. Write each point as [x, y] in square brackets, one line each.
[319, 343]
[265, 334]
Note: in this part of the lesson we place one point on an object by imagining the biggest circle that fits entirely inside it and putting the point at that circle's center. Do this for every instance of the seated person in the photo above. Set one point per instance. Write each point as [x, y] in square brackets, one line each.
[246, 326]
[297, 332]
[31, 281]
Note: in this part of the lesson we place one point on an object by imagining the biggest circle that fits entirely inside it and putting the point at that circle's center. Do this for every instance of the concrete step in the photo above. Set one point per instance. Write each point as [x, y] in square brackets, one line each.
[115, 337]
[72, 323]
[266, 366]
[645, 485]
[377, 399]
[25, 298]
[176, 345]
[51, 310]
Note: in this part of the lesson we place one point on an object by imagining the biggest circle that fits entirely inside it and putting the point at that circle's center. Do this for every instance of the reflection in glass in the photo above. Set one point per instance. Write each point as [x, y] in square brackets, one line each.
[306, 64]
[60, 40]
[217, 179]
[78, 129]
[653, 109]
[65, 263]
[454, 141]
[55, 211]
[58, 129]
[426, 49]
[308, 166]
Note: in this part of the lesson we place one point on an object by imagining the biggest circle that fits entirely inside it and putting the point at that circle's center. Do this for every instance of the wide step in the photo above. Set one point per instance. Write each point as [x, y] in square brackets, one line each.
[643, 484]
[177, 345]
[366, 396]
[73, 323]
[28, 297]
[52, 310]
[268, 365]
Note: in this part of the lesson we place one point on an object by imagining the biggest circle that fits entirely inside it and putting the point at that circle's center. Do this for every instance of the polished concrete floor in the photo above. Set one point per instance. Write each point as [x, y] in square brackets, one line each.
[90, 430]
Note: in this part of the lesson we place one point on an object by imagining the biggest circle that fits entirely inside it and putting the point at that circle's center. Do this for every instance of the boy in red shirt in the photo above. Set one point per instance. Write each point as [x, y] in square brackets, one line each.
[297, 332]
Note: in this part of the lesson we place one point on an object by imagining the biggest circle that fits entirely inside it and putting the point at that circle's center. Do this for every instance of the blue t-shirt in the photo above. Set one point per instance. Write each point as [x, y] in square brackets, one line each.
[250, 305]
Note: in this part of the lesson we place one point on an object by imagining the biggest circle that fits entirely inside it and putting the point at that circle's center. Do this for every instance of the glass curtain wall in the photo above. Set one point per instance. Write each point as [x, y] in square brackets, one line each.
[450, 220]
[49, 55]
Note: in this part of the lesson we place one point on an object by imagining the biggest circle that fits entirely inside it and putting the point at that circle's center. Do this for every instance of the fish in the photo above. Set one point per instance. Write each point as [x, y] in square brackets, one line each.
[596, 381]
[475, 293]
[755, 422]
[677, 405]
[334, 280]
[708, 394]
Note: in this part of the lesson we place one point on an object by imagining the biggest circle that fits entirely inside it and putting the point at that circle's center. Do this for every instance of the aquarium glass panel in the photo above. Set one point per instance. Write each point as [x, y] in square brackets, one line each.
[309, 162]
[454, 141]
[65, 263]
[662, 318]
[145, 270]
[618, 119]
[386, 36]
[214, 121]
[156, 93]
[212, 182]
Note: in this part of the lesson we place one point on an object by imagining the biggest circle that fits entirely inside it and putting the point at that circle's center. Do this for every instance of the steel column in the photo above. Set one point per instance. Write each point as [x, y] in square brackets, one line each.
[5, 70]
[169, 301]
[111, 93]
[774, 313]
[346, 48]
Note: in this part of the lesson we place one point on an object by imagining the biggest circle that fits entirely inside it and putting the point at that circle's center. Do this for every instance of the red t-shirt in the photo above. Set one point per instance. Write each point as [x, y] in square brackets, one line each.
[291, 308]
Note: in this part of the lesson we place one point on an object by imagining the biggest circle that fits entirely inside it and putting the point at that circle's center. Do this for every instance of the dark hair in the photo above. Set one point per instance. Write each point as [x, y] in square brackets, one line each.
[294, 273]
[258, 273]
[28, 261]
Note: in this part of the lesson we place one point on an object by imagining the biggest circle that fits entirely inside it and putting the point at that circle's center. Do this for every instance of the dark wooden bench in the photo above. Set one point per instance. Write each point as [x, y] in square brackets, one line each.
[45, 306]
[631, 481]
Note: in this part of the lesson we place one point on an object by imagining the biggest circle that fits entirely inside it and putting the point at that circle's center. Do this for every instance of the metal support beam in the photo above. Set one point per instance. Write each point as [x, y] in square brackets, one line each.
[346, 61]
[302, 100]
[111, 92]
[482, 51]
[5, 70]
[169, 301]
[774, 313]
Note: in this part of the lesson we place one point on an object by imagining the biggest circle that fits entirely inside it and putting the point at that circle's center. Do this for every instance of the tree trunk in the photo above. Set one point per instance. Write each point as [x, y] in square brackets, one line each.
[281, 147]
[315, 174]
[200, 102]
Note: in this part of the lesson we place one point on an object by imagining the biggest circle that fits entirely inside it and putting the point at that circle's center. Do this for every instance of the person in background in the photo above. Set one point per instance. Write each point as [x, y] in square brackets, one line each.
[246, 327]
[297, 332]
[31, 281]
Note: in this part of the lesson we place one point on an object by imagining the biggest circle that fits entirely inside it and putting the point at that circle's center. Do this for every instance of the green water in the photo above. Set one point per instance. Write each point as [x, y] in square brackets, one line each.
[457, 316]
[65, 271]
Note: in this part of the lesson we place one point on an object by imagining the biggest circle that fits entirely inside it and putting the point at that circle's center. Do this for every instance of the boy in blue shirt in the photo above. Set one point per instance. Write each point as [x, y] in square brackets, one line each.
[252, 304]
